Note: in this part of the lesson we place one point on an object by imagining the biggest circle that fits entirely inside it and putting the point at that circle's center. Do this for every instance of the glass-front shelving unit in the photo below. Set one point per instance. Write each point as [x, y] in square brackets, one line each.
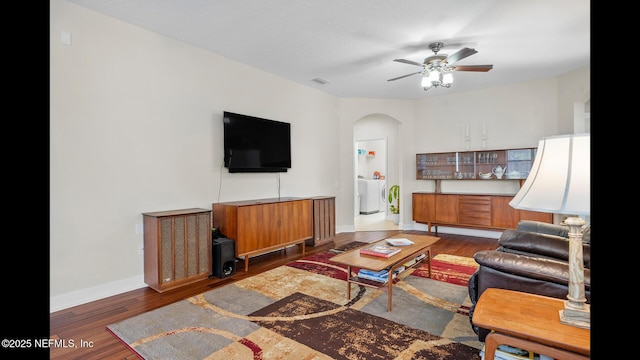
[475, 165]
[519, 162]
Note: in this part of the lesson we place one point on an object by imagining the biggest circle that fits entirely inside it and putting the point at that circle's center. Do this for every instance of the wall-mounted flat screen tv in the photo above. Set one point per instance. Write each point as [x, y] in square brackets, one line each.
[253, 144]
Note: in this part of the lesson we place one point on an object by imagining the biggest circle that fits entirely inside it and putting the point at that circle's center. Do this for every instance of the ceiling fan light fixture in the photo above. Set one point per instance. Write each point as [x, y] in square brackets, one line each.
[437, 70]
[426, 83]
[447, 78]
[434, 76]
[437, 77]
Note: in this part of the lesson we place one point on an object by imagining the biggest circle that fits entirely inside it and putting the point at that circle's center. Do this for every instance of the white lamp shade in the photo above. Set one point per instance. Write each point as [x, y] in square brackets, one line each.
[560, 178]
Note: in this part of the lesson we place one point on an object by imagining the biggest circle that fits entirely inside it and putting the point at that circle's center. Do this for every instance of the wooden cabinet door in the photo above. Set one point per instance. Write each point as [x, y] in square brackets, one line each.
[474, 210]
[504, 216]
[295, 220]
[446, 209]
[423, 207]
[536, 216]
[257, 227]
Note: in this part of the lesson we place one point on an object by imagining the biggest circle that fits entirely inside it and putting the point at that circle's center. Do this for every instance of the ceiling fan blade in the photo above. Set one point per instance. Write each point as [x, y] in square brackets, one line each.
[465, 52]
[407, 62]
[404, 76]
[481, 68]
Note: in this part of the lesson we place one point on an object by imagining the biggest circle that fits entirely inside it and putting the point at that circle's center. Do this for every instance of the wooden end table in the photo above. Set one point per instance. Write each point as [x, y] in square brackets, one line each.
[421, 245]
[529, 322]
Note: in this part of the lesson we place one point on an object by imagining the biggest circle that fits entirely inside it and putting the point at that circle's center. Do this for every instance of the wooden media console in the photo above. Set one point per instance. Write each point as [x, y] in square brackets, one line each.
[265, 225]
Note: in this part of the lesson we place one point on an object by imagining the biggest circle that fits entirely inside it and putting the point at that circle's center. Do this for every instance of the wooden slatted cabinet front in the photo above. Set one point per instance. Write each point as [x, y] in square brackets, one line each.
[177, 247]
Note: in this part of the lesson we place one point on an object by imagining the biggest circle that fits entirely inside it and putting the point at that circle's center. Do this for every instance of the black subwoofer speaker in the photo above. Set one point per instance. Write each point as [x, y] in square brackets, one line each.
[224, 257]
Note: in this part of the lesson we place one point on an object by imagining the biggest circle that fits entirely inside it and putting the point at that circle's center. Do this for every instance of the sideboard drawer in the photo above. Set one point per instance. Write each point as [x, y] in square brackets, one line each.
[475, 210]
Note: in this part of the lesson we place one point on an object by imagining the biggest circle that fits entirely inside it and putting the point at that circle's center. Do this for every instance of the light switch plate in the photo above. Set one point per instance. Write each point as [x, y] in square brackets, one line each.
[65, 37]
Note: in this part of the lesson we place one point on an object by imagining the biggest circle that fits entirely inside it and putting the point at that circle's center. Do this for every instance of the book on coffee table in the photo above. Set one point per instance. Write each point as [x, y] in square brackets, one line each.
[415, 260]
[381, 276]
[384, 251]
[505, 352]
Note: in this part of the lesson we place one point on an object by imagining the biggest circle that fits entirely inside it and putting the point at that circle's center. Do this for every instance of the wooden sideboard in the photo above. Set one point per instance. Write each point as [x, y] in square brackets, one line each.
[468, 210]
[265, 225]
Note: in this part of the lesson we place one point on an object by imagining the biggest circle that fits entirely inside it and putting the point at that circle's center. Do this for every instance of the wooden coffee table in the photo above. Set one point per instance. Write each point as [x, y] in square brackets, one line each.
[421, 245]
[529, 322]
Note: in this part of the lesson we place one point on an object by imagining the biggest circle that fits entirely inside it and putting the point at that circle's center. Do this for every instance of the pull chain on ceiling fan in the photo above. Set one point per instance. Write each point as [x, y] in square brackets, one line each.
[437, 70]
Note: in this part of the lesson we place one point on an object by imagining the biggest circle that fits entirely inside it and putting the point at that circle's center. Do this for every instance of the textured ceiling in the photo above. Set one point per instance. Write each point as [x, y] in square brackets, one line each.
[352, 43]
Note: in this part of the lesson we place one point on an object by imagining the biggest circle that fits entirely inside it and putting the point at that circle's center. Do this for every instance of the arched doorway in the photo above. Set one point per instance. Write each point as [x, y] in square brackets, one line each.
[375, 152]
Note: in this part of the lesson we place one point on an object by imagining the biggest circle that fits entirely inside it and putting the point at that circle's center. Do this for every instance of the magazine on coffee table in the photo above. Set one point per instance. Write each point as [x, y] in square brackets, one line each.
[400, 242]
[384, 251]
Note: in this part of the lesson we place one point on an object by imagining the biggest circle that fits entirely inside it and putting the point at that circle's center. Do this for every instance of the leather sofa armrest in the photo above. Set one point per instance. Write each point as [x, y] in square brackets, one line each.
[533, 268]
[543, 228]
[540, 245]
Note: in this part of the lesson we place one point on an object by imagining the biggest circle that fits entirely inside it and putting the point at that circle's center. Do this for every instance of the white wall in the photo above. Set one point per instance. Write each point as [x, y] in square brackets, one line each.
[136, 126]
[574, 101]
[529, 112]
[509, 116]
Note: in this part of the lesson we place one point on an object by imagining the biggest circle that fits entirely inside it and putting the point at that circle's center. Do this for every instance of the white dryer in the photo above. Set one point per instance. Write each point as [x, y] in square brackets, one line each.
[383, 195]
[369, 191]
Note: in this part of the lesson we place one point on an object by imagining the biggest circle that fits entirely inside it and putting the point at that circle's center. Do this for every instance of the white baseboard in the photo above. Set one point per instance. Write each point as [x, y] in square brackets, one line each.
[345, 229]
[423, 227]
[79, 297]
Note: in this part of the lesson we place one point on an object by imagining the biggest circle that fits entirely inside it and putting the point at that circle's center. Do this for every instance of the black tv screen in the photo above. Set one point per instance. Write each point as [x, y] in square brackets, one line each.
[253, 144]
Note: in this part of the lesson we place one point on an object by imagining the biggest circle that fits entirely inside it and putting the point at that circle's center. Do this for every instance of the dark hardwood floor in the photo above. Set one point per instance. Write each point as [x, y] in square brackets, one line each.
[88, 322]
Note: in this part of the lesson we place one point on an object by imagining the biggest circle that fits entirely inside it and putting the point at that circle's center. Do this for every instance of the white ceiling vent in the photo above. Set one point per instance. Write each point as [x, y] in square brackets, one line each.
[321, 81]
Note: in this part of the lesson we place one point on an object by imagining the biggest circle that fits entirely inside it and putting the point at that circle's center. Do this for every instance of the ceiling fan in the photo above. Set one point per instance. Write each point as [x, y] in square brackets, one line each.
[437, 68]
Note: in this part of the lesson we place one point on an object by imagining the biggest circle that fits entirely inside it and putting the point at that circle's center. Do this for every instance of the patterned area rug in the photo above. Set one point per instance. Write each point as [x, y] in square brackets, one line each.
[448, 268]
[301, 311]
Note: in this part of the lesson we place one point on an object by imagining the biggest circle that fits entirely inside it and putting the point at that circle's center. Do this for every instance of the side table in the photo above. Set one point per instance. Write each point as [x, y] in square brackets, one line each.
[529, 322]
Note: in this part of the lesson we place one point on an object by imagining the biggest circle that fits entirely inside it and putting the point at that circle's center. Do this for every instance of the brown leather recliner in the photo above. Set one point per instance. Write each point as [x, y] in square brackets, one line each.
[533, 259]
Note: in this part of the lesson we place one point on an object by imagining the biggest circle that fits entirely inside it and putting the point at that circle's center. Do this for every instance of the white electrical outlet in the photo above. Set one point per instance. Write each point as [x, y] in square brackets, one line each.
[141, 249]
